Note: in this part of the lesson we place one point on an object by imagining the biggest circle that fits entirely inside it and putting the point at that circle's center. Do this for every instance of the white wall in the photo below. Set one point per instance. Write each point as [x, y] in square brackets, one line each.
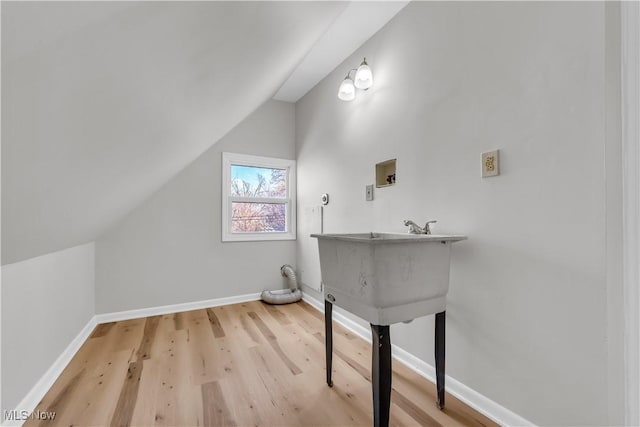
[169, 249]
[47, 301]
[527, 308]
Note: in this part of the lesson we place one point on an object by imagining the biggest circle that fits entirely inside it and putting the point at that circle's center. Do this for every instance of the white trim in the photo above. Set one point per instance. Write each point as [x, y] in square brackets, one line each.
[37, 392]
[229, 159]
[472, 398]
[173, 308]
[630, 80]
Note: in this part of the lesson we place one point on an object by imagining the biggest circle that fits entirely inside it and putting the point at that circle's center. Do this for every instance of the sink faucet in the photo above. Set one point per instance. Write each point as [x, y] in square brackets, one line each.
[416, 229]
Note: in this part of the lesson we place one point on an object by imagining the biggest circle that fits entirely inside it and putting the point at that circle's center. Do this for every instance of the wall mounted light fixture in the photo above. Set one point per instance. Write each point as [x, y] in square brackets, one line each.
[363, 79]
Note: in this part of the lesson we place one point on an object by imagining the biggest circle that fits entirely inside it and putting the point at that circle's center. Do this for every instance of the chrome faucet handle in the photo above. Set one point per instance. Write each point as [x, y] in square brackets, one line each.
[427, 229]
[413, 227]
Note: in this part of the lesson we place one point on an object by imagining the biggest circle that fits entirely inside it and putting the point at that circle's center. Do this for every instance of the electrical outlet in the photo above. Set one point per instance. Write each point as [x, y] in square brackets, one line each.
[491, 163]
[369, 193]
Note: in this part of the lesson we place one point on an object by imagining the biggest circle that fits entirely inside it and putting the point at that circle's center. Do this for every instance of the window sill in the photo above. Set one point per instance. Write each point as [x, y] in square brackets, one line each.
[250, 237]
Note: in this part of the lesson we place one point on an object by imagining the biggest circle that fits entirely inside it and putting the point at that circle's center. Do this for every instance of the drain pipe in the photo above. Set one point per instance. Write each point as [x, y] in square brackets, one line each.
[284, 296]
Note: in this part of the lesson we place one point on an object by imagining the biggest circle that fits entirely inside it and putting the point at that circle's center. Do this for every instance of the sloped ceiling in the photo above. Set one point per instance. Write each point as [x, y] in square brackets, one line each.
[102, 103]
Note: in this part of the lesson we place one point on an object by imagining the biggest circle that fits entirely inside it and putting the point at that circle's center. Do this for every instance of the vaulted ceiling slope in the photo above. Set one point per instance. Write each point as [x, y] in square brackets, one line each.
[102, 103]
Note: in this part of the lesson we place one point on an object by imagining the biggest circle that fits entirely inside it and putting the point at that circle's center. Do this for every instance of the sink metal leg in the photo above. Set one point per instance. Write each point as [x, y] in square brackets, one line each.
[439, 355]
[328, 336]
[381, 375]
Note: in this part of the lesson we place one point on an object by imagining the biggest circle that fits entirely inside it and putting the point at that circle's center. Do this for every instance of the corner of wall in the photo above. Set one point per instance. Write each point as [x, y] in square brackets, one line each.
[59, 290]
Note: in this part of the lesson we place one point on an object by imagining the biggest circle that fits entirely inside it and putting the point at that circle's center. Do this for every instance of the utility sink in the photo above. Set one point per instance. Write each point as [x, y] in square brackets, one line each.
[386, 278]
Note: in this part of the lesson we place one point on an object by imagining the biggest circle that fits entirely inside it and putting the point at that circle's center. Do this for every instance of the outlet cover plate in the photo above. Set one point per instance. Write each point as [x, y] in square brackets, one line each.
[491, 163]
[369, 193]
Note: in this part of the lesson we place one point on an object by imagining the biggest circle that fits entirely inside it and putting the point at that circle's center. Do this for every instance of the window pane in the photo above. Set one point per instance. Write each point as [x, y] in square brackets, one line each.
[251, 181]
[258, 217]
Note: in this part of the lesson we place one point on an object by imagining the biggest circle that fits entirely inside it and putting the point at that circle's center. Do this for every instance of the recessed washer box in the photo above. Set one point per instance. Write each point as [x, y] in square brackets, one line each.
[386, 173]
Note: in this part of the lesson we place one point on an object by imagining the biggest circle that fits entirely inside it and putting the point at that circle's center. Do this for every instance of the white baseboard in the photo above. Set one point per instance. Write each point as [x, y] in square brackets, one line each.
[475, 400]
[37, 392]
[173, 308]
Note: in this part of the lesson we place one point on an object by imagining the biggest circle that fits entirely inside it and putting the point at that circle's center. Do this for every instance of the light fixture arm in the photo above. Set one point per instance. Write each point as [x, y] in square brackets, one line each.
[348, 76]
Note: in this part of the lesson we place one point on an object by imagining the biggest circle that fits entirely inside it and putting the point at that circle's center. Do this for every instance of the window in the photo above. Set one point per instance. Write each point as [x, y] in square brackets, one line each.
[258, 198]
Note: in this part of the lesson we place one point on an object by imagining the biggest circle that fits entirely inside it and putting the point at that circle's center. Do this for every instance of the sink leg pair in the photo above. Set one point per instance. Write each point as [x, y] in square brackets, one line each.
[381, 363]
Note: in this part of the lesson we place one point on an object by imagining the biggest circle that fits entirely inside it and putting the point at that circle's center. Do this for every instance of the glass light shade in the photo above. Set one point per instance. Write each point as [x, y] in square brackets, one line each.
[347, 91]
[364, 76]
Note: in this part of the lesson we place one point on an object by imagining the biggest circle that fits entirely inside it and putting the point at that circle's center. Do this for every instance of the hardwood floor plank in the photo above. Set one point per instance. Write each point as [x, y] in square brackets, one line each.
[311, 311]
[216, 412]
[179, 400]
[127, 400]
[205, 357]
[285, 399]
[413, 410]
[277, 314]
[246, 364]
[150, 328]
[218, 332]
[145, 411]
[178, 321]
[102, 329]
[95, 401]
[251, 332]
[127, 334]
[63, 398]
[273, 341]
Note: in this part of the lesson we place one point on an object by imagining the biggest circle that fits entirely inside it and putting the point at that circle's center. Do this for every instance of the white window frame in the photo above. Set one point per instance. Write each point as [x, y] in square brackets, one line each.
[229, 159]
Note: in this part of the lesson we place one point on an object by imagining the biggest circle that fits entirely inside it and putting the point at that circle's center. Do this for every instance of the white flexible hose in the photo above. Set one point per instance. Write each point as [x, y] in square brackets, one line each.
[284, 296]
[288, 272]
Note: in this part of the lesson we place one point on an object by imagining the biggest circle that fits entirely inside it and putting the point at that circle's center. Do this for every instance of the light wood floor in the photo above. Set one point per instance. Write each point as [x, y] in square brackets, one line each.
[246, 364]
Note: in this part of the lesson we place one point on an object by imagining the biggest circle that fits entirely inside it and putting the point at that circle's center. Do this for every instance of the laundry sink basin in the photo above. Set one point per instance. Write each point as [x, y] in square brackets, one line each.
[386, 278]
